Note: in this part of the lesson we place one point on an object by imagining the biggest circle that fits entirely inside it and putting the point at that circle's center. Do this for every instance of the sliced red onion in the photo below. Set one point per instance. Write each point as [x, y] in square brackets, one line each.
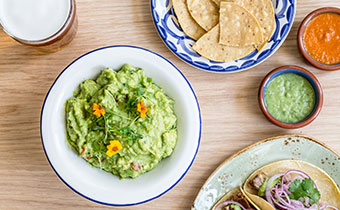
[224, 203]
[323, 206]
[306, 201]
[332, 207]
[297, 178]
[304, 175]
[278, 196]
[269, 197]
[271, 179]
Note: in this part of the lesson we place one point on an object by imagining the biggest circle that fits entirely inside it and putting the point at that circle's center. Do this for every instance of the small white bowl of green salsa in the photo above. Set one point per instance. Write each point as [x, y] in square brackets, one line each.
[290, 97]
[98, 185]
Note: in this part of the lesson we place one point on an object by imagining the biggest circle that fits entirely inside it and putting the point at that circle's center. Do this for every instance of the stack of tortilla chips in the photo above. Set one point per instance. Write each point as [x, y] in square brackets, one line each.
[226, 30]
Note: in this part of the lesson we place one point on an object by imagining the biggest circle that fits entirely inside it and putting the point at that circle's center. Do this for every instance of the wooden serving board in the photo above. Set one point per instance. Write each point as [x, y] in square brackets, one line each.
[230, 113]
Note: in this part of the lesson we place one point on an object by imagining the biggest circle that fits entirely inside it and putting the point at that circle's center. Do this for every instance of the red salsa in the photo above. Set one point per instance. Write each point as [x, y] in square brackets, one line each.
[322, 38]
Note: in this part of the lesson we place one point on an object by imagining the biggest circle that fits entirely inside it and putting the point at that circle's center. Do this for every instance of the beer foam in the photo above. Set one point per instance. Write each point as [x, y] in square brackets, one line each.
[33, 20]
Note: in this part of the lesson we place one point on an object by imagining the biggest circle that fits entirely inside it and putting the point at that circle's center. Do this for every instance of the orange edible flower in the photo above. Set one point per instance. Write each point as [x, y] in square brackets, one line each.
[98, 110]
[142, 109]
[113, 148]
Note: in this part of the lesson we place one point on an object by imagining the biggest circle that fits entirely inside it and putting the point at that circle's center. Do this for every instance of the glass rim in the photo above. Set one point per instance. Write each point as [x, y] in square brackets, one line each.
[55, 35]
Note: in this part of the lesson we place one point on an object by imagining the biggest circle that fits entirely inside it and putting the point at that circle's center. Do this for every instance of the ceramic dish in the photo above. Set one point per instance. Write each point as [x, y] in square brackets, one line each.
[181, 45]
[230, 175]
[303, 25]
[98, 185]
[304, 73]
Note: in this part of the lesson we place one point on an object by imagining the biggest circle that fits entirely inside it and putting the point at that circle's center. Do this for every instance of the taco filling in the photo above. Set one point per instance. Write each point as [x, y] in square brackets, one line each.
[292, 190]
[234, 200]
[232, 205]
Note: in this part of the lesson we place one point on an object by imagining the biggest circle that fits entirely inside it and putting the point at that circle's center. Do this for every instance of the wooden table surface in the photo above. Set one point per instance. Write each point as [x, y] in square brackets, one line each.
[230, 113]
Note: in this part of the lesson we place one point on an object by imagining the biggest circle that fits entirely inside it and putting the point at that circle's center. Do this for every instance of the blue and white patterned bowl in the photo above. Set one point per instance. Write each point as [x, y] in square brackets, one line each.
[181, 45]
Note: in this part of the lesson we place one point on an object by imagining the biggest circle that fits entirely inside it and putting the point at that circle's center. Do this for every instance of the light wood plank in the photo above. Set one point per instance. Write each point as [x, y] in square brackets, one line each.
[230, 112]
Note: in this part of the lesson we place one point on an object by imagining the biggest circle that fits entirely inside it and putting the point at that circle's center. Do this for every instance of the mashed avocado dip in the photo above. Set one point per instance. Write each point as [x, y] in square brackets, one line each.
[121, 122]
[289, 98]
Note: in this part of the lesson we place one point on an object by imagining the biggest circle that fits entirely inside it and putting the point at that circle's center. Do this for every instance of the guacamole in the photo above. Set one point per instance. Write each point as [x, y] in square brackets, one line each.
[121, 122]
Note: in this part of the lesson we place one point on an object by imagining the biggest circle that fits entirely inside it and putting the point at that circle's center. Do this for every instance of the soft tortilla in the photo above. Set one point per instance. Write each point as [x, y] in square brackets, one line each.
[187, 23]
[204, 12]
[264, 13]
[329, 191]
[231, 196]
[208, 46]
[238, 28]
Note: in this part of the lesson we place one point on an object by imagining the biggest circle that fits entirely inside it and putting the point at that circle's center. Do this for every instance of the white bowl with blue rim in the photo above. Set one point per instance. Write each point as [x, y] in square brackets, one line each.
[96, 184]
[174, 38]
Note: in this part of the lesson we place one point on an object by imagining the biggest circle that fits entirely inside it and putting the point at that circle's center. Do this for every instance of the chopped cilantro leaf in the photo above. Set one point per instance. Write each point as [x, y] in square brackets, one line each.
[130, 134]
[140, 91]
[131, 103]
[304, 189]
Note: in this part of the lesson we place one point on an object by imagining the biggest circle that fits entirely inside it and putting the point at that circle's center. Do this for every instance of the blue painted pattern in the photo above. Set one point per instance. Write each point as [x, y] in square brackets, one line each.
[181, 45]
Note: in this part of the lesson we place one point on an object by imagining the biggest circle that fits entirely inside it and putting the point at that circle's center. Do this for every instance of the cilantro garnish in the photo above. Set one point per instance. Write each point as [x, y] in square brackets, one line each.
[130, 134]
[304, 189]
[140, 91]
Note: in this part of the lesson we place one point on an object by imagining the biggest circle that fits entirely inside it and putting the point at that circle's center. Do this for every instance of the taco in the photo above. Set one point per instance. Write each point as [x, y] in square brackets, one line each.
[292, 185]
[235, 200]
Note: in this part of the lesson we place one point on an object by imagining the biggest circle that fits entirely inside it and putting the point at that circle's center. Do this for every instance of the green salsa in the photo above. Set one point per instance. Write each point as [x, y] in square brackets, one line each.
[121, 122]
[289, 98]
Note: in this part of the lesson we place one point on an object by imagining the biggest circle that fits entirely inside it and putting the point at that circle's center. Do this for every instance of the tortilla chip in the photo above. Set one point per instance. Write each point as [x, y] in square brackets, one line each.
[264, 13]
[204, 12]
[208, 46]
[217, 2]
[187, 23]
[238, 28]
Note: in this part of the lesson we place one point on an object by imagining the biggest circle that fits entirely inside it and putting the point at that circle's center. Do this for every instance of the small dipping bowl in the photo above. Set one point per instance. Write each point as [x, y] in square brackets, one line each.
[303, 50]
[301, 72]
